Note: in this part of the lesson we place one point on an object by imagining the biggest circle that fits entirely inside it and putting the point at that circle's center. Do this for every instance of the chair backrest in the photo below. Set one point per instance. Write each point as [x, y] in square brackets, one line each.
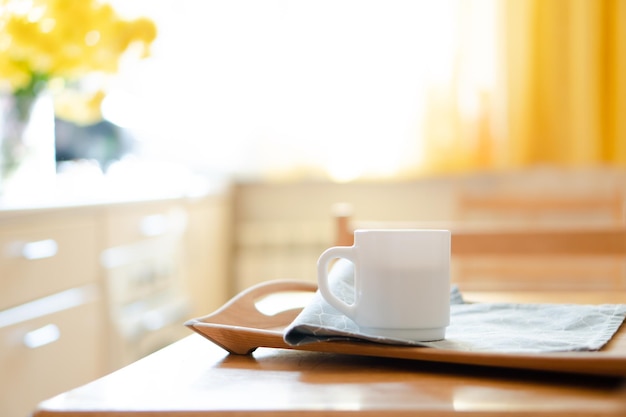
[485, 258]
[596, 208]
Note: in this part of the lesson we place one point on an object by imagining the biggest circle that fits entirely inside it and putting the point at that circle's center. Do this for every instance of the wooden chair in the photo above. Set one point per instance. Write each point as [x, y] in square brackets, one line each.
[605, 208]
[572, 258]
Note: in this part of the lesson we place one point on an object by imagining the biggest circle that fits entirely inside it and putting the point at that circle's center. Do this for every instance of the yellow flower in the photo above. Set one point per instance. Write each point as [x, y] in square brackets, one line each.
[14, 76]
[46, 39]
[80, 108]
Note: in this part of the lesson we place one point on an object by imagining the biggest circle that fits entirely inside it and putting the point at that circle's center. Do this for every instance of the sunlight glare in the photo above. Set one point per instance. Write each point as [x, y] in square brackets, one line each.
[279, 85]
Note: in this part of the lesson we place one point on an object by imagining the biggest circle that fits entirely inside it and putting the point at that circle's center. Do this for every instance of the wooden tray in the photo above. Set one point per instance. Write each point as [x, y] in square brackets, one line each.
[240, 328]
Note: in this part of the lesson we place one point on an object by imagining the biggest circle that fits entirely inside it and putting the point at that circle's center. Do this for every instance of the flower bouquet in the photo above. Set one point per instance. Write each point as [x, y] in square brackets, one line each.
[48, 46]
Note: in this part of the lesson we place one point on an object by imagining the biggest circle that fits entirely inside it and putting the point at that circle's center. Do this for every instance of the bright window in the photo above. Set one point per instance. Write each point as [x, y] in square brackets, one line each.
[285, 88]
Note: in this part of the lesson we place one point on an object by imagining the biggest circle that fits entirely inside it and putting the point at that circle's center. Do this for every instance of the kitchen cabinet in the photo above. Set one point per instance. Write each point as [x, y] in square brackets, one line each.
[51, 306]
[144, 267]
[209, 248]
[43, 253]
[86, 289]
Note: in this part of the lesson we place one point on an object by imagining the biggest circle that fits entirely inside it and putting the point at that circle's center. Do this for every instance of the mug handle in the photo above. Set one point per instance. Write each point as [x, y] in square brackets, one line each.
[346, 252]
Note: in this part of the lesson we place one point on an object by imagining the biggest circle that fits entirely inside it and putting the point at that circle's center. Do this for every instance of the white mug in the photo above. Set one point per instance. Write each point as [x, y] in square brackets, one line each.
[401, 282]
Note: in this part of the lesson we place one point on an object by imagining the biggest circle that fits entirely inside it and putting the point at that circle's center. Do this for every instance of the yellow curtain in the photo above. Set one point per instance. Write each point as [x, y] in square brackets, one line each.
[558, 97]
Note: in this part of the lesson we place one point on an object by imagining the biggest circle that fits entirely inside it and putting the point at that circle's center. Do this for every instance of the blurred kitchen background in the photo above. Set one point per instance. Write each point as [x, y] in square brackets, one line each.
[209, 147]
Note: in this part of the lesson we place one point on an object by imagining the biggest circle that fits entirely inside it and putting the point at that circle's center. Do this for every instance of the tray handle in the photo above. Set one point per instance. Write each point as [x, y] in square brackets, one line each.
[241, 311]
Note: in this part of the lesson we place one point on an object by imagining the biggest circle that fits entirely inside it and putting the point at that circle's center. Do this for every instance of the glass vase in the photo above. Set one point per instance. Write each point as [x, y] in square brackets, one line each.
[27, 163]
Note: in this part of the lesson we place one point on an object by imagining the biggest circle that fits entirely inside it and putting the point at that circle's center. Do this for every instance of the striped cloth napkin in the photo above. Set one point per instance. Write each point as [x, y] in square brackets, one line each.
[487, 327]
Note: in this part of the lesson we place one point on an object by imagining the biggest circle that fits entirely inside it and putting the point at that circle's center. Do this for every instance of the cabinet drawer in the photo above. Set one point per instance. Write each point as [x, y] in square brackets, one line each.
[44, 355]
[41, 255]
[129, 224]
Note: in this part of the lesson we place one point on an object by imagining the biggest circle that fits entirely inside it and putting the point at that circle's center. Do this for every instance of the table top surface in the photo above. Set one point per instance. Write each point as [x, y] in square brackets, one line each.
[194, 377]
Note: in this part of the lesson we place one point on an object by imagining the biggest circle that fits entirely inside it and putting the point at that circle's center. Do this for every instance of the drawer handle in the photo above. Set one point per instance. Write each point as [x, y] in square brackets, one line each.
[40, 249]
[51, 304]
[154, 225]
[42, 336]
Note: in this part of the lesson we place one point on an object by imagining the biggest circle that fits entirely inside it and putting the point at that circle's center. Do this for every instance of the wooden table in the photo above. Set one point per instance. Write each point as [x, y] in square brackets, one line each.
[194, 377]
